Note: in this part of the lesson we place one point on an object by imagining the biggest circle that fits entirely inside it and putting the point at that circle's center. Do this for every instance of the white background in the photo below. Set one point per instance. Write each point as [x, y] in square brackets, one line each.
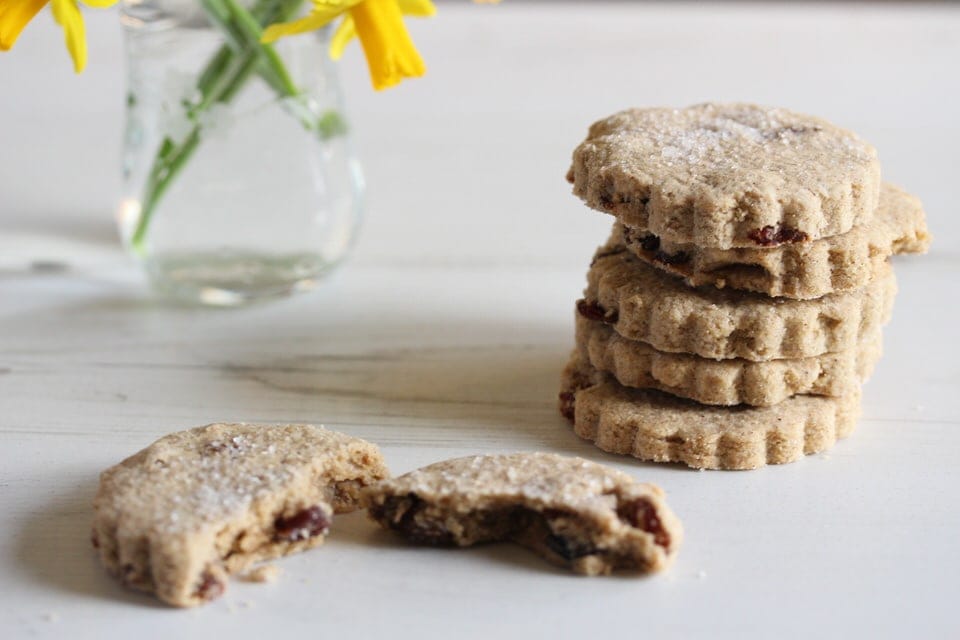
[446, 333]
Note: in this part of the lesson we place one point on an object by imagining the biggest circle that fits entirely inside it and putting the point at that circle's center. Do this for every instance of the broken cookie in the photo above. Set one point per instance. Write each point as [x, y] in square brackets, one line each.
[181, 515]
[577, 514]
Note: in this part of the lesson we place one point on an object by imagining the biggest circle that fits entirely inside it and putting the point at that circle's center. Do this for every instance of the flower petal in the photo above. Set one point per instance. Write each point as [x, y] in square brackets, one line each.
[322, 13]
[99, 4]
[418, 8]
[14, 16]
[391, 55]
[313, 20]
[346, 31]
[67, 13]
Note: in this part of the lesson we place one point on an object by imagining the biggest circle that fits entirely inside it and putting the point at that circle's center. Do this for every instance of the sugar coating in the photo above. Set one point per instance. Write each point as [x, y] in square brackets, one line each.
[652, 425]
[803, 270]
[473, 499]
[715, 174]
[725, 382]
[646, 304]
[224, 477]
[177, 517]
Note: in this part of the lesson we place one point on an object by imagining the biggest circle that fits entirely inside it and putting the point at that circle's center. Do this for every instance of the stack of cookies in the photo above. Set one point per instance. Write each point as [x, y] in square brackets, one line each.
[736, 309]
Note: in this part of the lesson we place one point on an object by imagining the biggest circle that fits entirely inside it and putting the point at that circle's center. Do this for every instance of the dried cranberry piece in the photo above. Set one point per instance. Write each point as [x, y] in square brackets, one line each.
[566, 548]
[789, 235]
[680, 257]
[209, 588]
[641, 513]
[423, 532]
[650, 242]
[770, 236]
[764, 236]
[426, 533]
[593, 311]
[302, 525]
[94, 539]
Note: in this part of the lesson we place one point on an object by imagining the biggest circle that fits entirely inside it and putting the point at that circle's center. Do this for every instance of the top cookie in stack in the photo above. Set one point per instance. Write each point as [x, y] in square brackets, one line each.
[725, 176]
[764, 203]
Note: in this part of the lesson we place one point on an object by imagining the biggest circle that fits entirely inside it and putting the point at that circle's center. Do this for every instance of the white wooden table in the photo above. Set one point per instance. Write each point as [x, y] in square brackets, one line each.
[446, 333]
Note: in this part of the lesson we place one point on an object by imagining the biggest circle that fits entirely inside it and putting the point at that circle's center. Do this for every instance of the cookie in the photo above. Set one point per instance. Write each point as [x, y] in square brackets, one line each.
[653, 425]
[646, 304]
[805, 270]
[577, 514]
[179, 516]
[727, 175]
[725, 382]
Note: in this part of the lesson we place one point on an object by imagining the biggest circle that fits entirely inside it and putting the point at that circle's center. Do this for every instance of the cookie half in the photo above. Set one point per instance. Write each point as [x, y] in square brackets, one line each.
[805, 270]
[646, 304]
[575, 513]
[653, 425]
[725, 382]
[727, 175]
[179, 516]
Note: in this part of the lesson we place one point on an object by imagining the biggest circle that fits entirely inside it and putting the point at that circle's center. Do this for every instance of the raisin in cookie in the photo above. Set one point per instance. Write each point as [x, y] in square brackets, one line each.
[725, 382]
[727, 175]
[804, 270]
[653, 425]
[574, 513]
[646, 304]
[179, 516]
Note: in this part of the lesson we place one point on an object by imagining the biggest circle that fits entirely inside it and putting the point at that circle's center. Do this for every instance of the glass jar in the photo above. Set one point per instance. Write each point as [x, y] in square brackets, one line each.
[240, 181]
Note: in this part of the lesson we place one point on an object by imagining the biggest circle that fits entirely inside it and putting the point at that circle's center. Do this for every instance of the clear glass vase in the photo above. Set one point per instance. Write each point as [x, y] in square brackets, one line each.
[240, 181]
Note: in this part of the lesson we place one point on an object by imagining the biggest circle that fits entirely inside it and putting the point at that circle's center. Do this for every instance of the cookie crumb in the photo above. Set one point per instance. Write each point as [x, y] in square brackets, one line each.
[263, 573]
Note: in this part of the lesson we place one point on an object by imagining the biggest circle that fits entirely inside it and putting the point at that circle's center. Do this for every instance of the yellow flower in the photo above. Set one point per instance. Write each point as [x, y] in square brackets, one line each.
[15, 14]
[391, 55]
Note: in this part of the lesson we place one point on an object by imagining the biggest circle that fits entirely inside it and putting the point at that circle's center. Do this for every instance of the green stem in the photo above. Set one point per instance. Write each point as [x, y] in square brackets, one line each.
[221, 80]
[251, 31]
[172, 157]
